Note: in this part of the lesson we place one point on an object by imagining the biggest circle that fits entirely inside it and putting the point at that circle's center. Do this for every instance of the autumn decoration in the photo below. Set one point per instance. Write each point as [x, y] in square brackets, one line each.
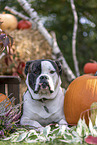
[90, 67]
[6, 41]
[3, 97]
[91, 139]
[9, 115]
[11, 64]
[24, 24]
[9, 22]
[80, 94]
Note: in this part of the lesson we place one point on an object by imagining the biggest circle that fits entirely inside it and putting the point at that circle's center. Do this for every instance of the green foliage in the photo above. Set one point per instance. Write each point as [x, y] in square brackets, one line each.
[61, 21]
[39, 143]
[63, 133]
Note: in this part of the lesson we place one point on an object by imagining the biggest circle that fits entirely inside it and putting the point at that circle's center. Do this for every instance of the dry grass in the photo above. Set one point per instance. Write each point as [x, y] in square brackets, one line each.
[31, 44]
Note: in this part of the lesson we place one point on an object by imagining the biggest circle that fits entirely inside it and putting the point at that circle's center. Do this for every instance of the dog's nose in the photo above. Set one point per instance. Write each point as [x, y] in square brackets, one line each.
[43, 77]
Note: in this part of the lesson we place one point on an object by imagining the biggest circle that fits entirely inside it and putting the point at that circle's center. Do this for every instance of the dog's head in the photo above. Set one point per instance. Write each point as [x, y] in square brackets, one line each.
[43, 76]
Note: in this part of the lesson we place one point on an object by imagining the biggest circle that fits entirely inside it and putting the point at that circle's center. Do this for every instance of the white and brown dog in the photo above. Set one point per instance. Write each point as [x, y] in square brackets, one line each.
[44, 98]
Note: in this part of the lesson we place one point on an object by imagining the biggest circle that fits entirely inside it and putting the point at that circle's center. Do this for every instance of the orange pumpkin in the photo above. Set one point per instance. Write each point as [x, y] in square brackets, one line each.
[90, 68]
[3, 97]
[80, 94]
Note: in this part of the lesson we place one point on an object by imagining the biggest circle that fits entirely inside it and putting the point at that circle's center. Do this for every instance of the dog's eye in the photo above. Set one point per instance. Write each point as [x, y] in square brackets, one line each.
[52, 71]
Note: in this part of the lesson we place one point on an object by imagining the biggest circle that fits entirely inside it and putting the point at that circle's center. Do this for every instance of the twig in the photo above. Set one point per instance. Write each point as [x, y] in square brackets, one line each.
[16, 13]
[74, 37]
[59, 56]
[20, 15]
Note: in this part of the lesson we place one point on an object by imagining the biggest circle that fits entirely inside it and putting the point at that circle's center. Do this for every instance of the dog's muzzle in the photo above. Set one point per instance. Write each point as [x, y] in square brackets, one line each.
[44, 85]
[43, 82]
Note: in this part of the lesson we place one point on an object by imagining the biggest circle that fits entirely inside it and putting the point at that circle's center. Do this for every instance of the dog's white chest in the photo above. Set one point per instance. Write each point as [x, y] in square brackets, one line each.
[43, 109]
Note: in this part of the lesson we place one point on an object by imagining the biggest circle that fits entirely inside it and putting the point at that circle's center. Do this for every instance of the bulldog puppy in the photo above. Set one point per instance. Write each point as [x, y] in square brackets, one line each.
[44, 98]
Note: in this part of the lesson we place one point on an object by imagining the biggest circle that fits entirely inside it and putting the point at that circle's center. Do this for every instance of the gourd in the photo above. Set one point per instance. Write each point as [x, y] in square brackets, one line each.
[80, 94]
[24, 24]
[9, 22]
[90, 68]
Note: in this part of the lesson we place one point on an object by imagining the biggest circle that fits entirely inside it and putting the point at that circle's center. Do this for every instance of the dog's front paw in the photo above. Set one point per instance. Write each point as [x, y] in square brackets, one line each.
[31, 123]
[62, 122]
[40, 129]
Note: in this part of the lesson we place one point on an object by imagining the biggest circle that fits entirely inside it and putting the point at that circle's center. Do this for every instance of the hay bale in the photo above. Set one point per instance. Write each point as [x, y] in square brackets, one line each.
[31, 45]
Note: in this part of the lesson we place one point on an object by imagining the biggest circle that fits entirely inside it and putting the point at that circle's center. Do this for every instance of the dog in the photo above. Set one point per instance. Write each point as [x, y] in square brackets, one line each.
[44, 98]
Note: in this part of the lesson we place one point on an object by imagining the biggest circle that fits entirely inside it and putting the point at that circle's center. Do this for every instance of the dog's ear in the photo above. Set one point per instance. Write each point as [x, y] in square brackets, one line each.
[59, 67]
[27, 66]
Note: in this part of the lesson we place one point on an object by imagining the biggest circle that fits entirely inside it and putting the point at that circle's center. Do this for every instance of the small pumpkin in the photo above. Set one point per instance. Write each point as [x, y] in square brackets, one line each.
[9, 22]
[3, 97]
[24, 24]
[80, 94]
[90, 68]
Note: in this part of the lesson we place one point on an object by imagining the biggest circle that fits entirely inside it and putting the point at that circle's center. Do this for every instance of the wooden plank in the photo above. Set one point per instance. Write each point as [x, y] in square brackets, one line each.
[14, 88]
[2, 88]
[10, 80]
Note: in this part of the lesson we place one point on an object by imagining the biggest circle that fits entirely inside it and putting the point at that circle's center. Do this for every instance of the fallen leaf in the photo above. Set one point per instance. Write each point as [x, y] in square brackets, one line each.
[91, 140]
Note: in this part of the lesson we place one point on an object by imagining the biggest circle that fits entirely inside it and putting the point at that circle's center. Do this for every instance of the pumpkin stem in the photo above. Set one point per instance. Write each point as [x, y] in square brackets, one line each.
[94, 61]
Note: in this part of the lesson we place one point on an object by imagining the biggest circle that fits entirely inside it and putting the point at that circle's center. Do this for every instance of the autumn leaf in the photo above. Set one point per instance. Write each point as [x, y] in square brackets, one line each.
[91, 140]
